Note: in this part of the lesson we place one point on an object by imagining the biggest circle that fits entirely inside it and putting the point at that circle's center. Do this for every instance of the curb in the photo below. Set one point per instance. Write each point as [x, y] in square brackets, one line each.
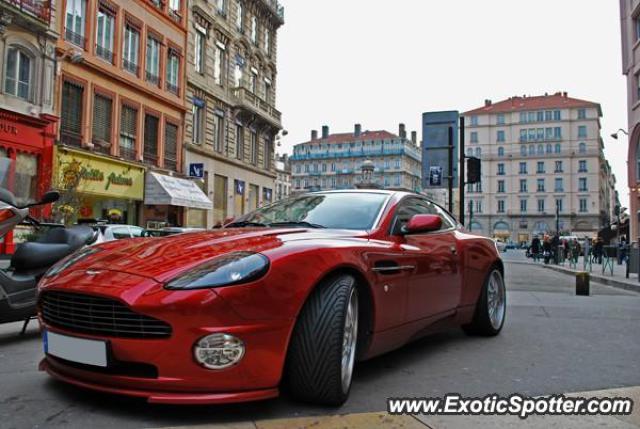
[598, 278]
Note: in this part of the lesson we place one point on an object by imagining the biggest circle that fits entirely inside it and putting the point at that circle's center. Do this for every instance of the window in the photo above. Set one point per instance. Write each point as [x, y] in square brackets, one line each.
[173, 71]
[501, 188]
[582, 184]
[582, 132]
[101, 128]
[104, 34]
[253, 81]
[540, 187]
[478, 152]
[267, 41]
[253, 152]
[549, 148]
[557, 115]
[559, 204]
[523, 117]
[548, 115]
[523, 185]
[238, 72]
[582, 113]
[540, 206]
[474, 137]
[500, 119]
[557, 133]
[582, 148]
[523, 168]
[130, 49]
[174, 9]
[540, 167]
[151, 124]
[219, 131]
[539, 134]
[240, 145]
[474, 121]
[637, 82]
[18, 73]
[254, 30]
[198, 119]
[582, 166]
[500, 136]
[71, 115]
[333, 166]
[200, 37]
[558, 167]
[523, 206]
[75, 22]
[170, 146]
[219, 63]
[500, 206]
[500, 169]
[153, 61]
[636, 23]
[532, 149]
[128, 132]
[240, 17]
[523, 150]
[558, 148]
[548, 133]
[559, 186]
[540, 149]
[531, 134]
[267, 91]
[523, 135]
[221, 6]
[398, 163]
[583, 205]
[500, 151]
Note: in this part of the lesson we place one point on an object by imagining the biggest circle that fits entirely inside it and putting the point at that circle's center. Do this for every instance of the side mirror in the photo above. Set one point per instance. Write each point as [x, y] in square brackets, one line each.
[422, 223]
[50, 197]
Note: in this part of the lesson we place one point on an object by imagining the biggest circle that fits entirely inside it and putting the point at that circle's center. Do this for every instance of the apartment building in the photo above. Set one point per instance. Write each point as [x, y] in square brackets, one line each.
[27, 115]
[283, 177]
[121, 106]
[538, 154]
[231, 96]
[334, 161]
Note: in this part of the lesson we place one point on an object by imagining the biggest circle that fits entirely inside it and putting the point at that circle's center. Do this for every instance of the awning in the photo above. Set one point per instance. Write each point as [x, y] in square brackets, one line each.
[173, 191]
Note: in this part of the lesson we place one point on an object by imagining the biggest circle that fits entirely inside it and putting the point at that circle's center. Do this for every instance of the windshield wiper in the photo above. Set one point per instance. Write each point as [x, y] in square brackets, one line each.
[297, 223]
[244, 224]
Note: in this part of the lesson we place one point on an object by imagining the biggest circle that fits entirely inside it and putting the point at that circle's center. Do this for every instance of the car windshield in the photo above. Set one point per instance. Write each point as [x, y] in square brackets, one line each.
[347, 210]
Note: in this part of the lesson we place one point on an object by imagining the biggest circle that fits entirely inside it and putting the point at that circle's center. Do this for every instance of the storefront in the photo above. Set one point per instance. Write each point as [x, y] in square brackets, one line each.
[95, 187]
[174, 201]
[28, 142]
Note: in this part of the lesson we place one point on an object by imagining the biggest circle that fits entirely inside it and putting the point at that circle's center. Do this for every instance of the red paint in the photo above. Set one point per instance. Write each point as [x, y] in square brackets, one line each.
[424, 223]
[442, 283]
[35, 136]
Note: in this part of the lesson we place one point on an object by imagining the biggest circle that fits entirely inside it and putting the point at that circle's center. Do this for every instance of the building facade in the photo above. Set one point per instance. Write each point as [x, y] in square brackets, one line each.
[333, 161]
[630, 23]
[231, 96]
[283, 178]
[121, 102]
[28, 34]
[538, 154]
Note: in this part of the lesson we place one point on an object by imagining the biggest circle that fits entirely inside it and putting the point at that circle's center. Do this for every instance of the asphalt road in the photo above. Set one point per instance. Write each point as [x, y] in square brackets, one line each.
[553, 342]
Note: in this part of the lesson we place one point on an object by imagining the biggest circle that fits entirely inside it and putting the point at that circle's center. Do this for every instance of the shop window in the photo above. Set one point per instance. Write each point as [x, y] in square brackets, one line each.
[18, 73]
[171, 146]
[71, 116]
[102, 108]
[151, 124]
[128, 132]
[26, 178]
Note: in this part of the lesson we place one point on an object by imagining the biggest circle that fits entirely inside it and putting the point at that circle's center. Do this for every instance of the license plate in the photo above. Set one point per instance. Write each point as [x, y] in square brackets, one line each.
[80, 350]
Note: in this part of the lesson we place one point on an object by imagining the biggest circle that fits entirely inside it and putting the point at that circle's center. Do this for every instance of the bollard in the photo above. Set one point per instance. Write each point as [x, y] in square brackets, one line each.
[582, 284]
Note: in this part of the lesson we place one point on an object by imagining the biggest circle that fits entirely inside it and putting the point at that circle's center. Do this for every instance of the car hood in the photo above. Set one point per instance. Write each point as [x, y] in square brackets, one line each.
[164, 258]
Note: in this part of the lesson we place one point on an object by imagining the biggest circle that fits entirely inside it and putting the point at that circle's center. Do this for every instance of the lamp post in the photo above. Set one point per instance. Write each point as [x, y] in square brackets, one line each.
[615, 135]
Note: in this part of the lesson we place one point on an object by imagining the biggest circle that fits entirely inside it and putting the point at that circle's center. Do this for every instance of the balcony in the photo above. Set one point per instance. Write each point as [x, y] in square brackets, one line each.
[104, 53]
[39, 9]
[130, 67]
[75, 38]
[276, 8]
[356, 153]
[247, 100]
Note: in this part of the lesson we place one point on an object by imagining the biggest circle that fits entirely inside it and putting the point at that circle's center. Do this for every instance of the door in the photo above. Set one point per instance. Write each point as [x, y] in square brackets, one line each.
[219, 199]
[434, 286]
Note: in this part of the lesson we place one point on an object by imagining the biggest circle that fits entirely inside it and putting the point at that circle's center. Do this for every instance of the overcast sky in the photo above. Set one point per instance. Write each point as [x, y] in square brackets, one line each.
[382, 62]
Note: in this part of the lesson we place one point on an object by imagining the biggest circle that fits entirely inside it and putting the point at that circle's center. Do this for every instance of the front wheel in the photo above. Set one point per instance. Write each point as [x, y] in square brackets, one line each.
[491, 307]
[323, 346]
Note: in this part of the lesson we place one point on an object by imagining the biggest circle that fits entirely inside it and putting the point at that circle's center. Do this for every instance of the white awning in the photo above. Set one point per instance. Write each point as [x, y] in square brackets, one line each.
[173, 191]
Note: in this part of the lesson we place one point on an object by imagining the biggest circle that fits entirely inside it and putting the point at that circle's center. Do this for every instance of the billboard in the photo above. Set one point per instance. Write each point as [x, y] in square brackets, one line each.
[435, 148]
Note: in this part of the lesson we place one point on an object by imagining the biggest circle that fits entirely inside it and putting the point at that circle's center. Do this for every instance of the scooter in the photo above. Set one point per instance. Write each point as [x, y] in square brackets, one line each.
[31, 260]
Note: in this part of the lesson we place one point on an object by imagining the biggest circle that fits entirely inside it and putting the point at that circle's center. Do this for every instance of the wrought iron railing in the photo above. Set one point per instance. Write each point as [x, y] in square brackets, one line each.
[75, 38]
[152, 78]
[130, 66]
[104, 53]
[246, 97]
[127, 153]
[40, 9]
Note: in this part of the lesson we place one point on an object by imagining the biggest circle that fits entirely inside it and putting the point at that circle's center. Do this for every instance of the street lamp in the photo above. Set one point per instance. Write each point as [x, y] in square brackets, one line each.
[616, 134]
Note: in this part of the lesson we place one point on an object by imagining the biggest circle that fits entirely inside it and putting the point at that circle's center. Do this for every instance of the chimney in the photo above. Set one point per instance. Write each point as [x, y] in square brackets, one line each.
[402, 131]
[357, 130]
[565, 94]
[314, 135]
[325, 131]
[487, 103]
[414, 137]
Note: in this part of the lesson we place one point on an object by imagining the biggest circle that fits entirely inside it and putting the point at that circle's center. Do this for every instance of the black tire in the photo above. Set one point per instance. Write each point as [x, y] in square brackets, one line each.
[482, 324]
[314, 364]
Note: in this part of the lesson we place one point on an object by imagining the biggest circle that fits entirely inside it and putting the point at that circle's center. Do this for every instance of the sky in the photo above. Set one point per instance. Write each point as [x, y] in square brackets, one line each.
[382, 62]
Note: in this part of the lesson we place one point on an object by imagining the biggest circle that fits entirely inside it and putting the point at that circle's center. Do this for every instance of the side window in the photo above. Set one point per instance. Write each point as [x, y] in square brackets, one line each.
[120, 232]
[136, 231]
[414, 206]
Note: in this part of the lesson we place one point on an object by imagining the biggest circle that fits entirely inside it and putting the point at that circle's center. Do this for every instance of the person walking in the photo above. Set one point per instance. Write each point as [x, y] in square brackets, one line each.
[598, 250]
[546, 249]
[536, 248]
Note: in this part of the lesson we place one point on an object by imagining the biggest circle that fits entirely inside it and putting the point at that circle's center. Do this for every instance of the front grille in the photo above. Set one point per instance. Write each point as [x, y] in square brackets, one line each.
[88, 314]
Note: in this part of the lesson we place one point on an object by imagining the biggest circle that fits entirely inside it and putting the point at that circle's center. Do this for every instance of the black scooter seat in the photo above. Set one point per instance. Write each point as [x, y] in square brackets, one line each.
[56, 244]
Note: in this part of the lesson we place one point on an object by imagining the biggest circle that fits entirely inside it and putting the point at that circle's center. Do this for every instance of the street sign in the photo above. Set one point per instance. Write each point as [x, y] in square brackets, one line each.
[239, 187]
[435, 176]
[196, 170]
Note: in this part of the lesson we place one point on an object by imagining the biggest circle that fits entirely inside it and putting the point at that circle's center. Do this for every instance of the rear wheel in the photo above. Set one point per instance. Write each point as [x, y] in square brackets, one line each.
[323, 346]
[491, 307]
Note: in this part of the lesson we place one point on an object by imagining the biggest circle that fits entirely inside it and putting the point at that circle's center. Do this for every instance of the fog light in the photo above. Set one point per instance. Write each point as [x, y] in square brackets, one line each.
[218, 351]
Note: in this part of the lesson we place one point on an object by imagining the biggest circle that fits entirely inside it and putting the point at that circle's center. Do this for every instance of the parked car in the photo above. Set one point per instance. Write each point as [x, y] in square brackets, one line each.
[291, 294]
[501, 245]
[170, 230]
[110, 232]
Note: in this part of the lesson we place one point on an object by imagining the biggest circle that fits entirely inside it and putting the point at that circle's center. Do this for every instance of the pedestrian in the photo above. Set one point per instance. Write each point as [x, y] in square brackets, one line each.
[536, 248]
[598, 250]
[546, 249]
[555, 246]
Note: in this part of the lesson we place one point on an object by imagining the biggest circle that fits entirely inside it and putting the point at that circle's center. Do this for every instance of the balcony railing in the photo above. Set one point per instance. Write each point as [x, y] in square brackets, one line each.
[127, 153]
[130, 67]
[172, 88]
[40, 9]
[104, 53]
[75, 38]
[276, 7]
[356, 154]
[70, 138]
[247, 98]
[153, 79]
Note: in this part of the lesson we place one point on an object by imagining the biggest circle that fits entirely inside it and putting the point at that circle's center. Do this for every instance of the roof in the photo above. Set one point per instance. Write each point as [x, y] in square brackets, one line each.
[349, 137]
[559, 100]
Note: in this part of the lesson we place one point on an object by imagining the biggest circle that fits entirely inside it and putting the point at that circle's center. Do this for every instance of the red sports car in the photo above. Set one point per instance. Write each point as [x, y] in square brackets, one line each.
[289, 295]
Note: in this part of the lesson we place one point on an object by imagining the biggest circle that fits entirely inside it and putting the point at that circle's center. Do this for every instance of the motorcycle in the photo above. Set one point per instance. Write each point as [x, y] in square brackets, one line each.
[31, 260]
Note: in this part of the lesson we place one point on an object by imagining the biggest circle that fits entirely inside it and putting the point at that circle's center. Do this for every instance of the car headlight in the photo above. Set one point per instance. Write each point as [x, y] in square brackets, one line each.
[227, 270]
[70, 260]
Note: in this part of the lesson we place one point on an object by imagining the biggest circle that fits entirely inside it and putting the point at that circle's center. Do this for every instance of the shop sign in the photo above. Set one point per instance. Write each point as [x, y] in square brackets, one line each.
[8, 128]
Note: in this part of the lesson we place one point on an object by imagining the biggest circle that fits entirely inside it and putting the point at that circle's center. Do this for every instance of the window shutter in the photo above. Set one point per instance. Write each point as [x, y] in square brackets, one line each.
[71, 117]
[151, 139]
[128, 131]
[102, 123]
[171, 146]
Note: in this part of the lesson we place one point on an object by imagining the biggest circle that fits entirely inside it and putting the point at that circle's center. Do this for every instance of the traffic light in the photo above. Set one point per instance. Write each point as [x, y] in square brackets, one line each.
[474, 170]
